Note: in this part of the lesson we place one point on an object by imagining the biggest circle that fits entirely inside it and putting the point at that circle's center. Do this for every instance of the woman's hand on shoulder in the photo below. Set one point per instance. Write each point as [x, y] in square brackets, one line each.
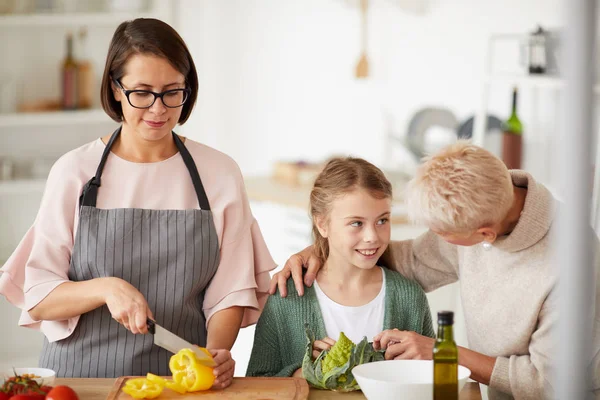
[404, 345]
[224, 369]
[127, 305]
[293, 267]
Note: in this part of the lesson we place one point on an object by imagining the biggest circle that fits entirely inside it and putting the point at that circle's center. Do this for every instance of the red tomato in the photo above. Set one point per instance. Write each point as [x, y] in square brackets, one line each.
[4, 396]
[62, 393]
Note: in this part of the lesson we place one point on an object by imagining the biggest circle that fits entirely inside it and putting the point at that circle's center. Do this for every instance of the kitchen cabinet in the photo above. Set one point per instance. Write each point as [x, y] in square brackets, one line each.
[19, 347]
[286, 230]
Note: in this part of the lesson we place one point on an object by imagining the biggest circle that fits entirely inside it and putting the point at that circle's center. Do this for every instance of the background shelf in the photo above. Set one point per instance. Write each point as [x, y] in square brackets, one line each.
[55, 118]
[68, 19]
[533, 81]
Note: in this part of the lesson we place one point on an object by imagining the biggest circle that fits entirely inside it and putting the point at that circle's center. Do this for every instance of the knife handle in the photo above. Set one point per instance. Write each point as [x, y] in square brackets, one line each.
[150, 325]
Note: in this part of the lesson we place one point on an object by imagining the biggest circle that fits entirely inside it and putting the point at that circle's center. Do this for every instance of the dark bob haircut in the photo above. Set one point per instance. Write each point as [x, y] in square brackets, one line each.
[146, 36]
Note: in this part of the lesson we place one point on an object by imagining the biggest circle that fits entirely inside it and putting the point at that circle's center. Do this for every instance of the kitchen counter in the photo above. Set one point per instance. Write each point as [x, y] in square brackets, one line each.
[265, 188]
[99, 388]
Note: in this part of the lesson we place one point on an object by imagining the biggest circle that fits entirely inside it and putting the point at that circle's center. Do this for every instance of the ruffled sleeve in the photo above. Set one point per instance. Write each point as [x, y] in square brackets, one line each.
[242, 278]
[41, 261]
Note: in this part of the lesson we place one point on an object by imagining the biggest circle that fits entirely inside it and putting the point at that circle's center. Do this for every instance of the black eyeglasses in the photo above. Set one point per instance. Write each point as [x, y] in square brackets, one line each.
[145, 98]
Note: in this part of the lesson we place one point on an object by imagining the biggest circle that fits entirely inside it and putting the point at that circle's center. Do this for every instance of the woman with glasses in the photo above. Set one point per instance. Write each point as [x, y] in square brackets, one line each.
[139, 225]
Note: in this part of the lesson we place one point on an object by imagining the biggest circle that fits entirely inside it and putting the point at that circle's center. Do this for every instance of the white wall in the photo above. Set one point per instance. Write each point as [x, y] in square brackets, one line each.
[276, 76]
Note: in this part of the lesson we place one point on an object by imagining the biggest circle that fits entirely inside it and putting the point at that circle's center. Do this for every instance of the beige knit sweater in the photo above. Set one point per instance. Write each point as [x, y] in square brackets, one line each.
[508, 293]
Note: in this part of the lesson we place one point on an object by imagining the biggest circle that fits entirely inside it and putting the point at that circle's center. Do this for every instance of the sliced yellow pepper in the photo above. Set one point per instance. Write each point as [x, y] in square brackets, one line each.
[190, 374]
[156, 379]
[142, 388]
[174, 386]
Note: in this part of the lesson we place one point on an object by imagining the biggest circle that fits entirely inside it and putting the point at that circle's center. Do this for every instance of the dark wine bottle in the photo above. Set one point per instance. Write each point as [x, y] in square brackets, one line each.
[512, 137]
[69, 78]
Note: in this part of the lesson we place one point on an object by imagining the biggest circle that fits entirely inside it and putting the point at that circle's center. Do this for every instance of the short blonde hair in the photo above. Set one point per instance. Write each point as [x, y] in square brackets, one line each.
[460, 189]
[339, 177]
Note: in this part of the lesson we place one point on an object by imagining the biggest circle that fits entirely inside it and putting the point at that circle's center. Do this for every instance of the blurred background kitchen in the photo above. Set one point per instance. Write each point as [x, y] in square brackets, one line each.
[285, 84]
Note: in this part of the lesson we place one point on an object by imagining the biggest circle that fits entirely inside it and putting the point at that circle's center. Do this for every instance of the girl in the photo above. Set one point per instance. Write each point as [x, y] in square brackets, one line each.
[350, 207]
[138, 225]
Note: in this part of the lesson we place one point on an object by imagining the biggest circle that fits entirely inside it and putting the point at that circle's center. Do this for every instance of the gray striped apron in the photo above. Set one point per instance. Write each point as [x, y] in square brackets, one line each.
[170, 256]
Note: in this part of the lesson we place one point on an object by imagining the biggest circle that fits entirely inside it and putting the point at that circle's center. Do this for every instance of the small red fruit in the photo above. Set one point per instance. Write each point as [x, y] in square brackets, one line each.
[61, 393]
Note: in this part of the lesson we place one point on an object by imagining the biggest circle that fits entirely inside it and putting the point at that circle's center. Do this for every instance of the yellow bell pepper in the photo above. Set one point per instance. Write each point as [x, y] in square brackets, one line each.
[142, 388]
[156, 379]
[189, 373]
[174, 386]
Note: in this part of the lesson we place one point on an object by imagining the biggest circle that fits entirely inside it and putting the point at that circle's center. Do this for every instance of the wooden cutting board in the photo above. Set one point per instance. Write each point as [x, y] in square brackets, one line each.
[240, 389]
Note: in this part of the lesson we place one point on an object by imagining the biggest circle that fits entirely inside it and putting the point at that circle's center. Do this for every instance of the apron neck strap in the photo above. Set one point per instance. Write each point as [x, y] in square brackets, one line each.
[193, 170]
[89, 194]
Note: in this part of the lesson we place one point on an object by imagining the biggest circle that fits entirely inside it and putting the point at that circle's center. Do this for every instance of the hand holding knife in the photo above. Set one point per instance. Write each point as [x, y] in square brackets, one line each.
[173, 343]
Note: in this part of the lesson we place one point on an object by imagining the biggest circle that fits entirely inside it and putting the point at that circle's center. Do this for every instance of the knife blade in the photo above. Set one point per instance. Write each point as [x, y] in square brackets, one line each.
[173, 343]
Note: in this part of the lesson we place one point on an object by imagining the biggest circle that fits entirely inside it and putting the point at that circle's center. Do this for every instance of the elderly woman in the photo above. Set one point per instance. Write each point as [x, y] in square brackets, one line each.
[491, 228]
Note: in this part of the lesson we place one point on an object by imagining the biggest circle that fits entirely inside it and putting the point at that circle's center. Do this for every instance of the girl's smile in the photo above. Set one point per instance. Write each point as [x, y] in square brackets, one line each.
[357, 230]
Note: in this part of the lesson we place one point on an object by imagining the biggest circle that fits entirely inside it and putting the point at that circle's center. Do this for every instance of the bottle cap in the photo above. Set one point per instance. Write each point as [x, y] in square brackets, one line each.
[445, 317]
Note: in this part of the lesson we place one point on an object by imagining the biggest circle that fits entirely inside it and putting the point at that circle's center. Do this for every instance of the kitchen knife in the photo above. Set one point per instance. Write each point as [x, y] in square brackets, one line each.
[174, 343]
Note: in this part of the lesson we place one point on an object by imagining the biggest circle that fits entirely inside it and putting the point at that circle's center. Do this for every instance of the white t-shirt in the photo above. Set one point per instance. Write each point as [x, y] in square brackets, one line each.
[355, 322]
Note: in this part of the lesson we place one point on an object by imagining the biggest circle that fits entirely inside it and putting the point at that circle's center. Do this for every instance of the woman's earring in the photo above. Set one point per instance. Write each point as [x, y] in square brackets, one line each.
[486, 245]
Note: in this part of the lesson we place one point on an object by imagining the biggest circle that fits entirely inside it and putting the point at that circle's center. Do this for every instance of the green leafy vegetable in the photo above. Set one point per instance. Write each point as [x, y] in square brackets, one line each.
[332, 369]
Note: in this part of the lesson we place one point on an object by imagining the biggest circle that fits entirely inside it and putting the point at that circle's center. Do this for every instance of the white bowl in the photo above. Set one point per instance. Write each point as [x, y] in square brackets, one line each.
[400, 379]
[46, 376]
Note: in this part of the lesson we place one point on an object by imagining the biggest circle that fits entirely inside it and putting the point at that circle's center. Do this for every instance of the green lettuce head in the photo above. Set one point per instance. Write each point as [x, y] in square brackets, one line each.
[332, 369]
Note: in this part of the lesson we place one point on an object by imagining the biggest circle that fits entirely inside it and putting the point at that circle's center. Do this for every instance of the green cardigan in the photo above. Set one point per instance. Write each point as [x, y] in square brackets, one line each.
[280, 342]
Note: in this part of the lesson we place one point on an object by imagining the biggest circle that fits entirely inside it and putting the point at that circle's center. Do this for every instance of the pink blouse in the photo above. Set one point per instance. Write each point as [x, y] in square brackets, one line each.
[41, 261]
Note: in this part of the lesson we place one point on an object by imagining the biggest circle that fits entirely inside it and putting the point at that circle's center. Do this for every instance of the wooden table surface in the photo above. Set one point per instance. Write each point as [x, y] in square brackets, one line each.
[98, 389]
